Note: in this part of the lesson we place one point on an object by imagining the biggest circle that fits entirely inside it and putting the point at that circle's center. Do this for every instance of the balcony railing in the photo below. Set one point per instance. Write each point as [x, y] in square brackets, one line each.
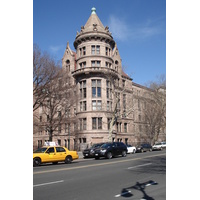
[88, 70]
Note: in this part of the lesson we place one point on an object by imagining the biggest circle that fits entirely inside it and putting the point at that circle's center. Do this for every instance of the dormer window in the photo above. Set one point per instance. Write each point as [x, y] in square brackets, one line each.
[67, 65]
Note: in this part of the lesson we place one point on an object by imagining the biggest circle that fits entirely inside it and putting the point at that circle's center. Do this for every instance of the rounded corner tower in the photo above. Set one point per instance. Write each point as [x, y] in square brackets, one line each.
[97, 69]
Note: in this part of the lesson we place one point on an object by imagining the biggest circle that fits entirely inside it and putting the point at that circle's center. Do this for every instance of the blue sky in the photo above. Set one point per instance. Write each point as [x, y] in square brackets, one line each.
[137, 26]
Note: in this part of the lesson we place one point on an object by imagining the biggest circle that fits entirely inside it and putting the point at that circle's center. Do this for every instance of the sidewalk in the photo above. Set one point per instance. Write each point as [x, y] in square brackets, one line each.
[80, 154]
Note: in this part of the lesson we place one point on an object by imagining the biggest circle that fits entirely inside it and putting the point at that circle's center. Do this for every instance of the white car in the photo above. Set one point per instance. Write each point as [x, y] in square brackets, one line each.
[159, 146]
[131, 149]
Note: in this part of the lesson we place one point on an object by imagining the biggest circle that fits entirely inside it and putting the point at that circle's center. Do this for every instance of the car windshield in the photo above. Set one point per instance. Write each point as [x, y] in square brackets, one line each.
[105, 146]
[96, 145]
[158, 143]
[40, 150]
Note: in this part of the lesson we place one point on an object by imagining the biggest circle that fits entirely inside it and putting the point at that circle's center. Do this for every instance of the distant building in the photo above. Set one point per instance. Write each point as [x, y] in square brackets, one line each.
[99, 82]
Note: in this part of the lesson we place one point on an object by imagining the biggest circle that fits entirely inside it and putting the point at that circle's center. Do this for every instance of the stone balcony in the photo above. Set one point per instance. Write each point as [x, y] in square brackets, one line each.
[92, 70]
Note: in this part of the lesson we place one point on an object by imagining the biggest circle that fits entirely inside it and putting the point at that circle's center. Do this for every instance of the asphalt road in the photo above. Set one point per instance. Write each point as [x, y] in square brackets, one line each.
[137, 176]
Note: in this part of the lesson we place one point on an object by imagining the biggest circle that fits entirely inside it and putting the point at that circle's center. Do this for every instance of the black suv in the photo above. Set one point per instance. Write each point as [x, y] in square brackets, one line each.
[89, 153]
[111, 149]
[144, 147]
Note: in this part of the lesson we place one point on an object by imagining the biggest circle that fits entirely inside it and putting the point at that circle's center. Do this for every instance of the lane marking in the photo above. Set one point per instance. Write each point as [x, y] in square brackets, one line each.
[49, 183]
[140, 165]
[95, 165]
[119, 195]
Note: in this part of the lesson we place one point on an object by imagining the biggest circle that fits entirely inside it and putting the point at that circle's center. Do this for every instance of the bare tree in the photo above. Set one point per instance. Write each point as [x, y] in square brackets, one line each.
[56, 108]
[155, 109]
[45, 69]
[54, 95]
[118, 92]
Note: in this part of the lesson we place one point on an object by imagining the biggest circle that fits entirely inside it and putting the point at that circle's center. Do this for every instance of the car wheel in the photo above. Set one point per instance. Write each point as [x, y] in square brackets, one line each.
[123, 153]
[68, 159]
[109, 155]
[36, 162]
[133, 151]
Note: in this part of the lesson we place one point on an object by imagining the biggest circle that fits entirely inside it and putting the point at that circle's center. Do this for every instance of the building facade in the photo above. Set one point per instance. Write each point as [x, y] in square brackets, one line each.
[104, 92]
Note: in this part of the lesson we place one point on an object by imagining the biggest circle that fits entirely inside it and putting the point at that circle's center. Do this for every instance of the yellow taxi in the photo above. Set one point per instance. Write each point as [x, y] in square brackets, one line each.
[53, 154]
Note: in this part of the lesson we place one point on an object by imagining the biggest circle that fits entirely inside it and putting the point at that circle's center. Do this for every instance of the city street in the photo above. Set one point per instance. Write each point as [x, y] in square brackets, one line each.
[137, 176]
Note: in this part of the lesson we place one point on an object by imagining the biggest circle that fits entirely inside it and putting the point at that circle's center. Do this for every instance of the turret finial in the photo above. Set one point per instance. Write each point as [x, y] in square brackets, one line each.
[93, 10]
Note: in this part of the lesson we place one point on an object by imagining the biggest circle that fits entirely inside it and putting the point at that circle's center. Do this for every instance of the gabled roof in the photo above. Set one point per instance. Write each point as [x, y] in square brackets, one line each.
[126, 76]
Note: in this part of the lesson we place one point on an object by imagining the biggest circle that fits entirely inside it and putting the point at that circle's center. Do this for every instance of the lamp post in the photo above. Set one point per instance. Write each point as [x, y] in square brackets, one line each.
[69, 136]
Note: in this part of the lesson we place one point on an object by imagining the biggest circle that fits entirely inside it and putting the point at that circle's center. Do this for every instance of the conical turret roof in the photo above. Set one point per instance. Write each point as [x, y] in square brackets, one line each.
[94, 23]
[93, 28]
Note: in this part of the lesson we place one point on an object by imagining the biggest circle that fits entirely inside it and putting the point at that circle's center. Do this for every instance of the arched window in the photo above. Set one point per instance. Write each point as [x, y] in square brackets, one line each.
[116, 65]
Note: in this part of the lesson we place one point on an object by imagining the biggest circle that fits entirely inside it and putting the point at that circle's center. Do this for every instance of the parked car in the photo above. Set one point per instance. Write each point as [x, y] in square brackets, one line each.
[144, 147]
[109, 150]
[89, 153]
[159, 146]
[131, 149]
[53, 154]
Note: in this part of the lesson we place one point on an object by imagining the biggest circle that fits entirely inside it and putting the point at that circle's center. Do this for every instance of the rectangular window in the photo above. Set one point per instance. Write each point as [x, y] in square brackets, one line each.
[80, 51]
[94, 123]
[83, 106]
[125, 127]
[83, 124]
[108, 105]
[84, 140]
[106, 51]
[94, 105]
[98, 92]
[97, 123]
[108, 90]
[100, 123]
[94, 92]
[99, 105]
[83, 91]
[96, 88]
[82, 65]
[98, 63]
[93, 49]
[84, 51]
[97, 49]
[123, 83]
[108, 121]
[93, 63]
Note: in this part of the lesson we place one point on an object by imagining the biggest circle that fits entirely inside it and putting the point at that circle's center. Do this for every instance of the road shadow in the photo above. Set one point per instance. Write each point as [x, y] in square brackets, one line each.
[139, 187]
[157, 166]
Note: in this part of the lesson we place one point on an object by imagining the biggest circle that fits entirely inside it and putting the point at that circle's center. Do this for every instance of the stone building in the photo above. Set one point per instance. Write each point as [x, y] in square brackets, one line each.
[103, 90]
